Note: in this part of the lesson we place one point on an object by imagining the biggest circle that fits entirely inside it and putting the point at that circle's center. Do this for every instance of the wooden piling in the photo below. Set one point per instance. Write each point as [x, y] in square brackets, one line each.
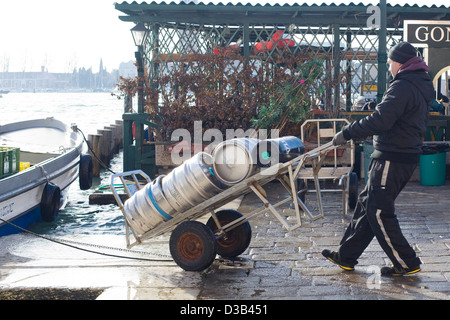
[105, 144]
[93, 140]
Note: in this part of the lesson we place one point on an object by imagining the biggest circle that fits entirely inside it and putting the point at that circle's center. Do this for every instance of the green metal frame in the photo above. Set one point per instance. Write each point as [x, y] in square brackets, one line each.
[338, 31]
[180, 29]
[345, 49]
[138, 154]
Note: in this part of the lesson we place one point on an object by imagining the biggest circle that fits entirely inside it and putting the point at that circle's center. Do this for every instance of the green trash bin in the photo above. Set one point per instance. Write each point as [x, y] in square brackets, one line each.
[432, 165]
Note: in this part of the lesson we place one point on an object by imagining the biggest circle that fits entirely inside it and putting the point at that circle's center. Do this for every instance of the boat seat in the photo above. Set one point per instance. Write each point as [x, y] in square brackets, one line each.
[34, 158]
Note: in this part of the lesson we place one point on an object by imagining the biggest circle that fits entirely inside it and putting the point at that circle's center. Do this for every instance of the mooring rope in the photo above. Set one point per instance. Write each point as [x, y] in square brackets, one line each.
[76, 245]
[93, 153]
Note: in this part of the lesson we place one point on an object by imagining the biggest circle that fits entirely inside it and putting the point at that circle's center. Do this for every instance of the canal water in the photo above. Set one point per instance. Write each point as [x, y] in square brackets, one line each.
[90, 111]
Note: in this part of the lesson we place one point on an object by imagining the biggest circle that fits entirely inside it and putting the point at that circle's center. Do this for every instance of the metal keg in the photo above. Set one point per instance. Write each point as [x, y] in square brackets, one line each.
[233, 160]
[271, 151]
[159, 198]
[191, 183]
[141, 213]
[133, 220]
[185, 187]
[201, 176]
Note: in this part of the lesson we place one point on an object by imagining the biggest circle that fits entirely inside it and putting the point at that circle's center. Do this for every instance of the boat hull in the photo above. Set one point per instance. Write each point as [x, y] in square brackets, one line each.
[21, 193]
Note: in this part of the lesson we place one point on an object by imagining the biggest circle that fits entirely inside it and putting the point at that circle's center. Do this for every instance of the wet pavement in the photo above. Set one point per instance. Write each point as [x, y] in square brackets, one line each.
[278, 265]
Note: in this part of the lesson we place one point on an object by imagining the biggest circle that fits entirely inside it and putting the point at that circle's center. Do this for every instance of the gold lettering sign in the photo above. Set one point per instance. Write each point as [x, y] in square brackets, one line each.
[431, 34]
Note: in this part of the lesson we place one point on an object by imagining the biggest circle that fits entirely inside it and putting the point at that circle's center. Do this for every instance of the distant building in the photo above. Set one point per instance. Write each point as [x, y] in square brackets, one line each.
[34, 81]
[127, 69]
[81, 79]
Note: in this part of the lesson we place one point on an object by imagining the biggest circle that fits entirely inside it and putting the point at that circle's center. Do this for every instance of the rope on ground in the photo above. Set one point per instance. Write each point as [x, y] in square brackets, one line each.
[76, 245]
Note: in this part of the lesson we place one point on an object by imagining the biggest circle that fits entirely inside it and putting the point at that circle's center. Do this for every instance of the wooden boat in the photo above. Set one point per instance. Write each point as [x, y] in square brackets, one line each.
[52, 156]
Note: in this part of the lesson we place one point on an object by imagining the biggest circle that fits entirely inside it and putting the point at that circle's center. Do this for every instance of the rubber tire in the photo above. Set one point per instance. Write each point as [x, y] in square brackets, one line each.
[50, 202]
[85, 174]
[353, 190]
[193, 246]
[235, 241]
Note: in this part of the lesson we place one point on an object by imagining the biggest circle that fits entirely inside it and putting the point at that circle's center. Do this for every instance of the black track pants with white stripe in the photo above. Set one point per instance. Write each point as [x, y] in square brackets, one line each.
[374, 216]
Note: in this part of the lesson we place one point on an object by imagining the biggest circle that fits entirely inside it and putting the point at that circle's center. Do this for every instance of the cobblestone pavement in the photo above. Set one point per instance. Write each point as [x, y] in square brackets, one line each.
[278, 265]
[290, 264]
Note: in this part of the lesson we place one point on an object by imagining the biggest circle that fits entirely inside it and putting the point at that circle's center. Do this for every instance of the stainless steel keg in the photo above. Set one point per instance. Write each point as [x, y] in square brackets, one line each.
[191, 183]
[141, 212]
[185, 187]
[271, 151]
[234, 161]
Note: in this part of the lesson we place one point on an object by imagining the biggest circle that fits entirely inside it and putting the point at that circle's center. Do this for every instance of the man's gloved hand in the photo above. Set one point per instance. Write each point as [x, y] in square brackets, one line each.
[339, 139]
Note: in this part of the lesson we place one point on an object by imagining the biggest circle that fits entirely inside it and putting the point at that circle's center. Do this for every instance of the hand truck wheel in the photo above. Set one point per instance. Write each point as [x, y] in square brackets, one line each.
[193, 246]
[235, 241]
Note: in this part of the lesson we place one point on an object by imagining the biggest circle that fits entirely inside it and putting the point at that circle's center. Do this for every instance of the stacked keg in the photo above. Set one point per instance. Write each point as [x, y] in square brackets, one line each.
[183, 188]
[237, 159]
[272, 151]
[234, 160]
[202, 177]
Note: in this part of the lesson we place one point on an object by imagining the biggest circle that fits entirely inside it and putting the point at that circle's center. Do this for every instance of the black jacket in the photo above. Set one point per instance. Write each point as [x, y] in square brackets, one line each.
[399, 121]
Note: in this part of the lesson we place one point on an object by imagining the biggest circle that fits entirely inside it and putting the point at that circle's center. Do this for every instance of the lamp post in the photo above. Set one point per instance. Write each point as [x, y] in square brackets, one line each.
[139, 33]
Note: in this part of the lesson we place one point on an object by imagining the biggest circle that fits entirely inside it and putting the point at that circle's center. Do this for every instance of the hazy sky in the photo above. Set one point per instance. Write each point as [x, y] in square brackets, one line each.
[62, 35]
[66, 34]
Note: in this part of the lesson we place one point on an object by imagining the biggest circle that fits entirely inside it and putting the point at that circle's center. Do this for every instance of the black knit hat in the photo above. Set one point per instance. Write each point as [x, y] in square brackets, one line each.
[402, 52]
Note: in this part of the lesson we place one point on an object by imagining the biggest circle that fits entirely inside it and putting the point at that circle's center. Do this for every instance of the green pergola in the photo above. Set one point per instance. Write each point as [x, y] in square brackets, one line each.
[343, 33]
